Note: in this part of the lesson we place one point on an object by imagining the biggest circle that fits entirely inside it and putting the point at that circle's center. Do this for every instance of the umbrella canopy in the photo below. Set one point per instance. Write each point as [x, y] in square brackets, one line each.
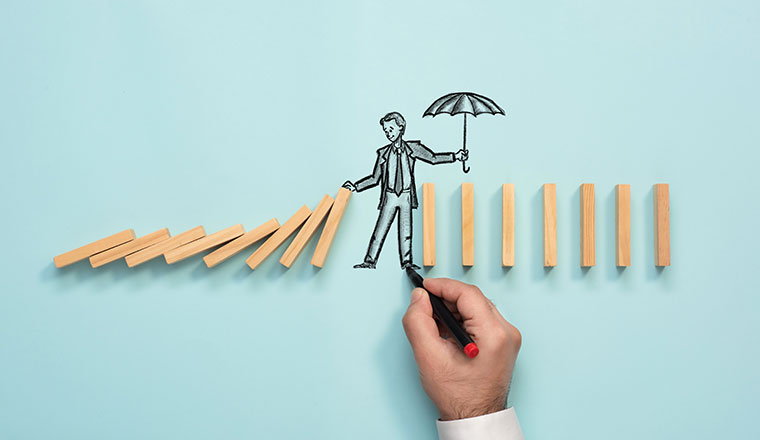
[463, 102]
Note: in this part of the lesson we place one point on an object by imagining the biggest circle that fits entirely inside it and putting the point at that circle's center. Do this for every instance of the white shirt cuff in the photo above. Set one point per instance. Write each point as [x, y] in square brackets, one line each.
[501, 425]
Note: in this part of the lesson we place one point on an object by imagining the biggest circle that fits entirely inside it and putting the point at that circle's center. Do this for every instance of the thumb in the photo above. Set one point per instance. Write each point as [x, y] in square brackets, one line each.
[419, 325]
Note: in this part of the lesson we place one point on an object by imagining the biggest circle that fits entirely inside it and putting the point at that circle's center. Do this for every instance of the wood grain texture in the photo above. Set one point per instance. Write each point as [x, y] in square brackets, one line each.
[331, 227]
[661, 224]
[203, 244]
[428, 224]
[93, 248]
[508, 225]
[306, 232]
[158, 249]
[276, 239]
[241, 243]
[623, 225]
[550, 225]
[129, 247]
[588, 225]
[468, 225]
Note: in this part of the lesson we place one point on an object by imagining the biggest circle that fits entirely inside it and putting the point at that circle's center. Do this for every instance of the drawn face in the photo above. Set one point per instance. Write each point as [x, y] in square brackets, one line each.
[392, 130]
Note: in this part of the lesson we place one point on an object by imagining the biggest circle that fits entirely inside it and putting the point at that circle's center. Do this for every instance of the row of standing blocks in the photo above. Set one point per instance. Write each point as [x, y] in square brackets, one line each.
[232, 240]
[587, 223]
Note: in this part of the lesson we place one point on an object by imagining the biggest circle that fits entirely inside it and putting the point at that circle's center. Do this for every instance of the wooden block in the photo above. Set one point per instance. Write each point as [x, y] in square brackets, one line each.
[623, 225]
[468, 226]
[202, 244]
[331, 228]
[93, 248]
[661, 224]
[508, 224]
[550, 225]
[273, 242]
[157, 249]
[129, 247]
[428, 224]
[588, 227]
[241, 243]
[308, 229]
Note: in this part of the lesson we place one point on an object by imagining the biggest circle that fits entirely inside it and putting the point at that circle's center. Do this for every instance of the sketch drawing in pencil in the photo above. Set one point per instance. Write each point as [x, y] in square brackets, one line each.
[394, 174]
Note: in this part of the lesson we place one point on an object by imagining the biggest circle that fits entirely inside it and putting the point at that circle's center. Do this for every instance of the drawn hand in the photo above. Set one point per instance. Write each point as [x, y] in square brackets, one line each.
[349, 186]
[458, 386]
[462, 155]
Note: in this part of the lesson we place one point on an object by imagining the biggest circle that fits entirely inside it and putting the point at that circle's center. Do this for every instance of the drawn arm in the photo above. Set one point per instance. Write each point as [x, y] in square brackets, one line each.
[425, 154]
[366, 182]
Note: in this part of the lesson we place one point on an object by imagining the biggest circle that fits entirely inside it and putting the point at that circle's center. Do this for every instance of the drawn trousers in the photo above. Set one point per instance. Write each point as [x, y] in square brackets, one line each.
[401, 205]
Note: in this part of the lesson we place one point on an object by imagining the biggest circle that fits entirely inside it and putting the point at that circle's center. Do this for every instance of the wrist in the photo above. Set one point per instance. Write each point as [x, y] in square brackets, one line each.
[472, 409]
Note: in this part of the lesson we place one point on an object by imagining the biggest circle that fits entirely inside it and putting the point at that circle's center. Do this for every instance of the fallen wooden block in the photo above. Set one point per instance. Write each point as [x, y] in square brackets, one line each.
[129, 247]
[508, 224]
[623, 225]
[202, 244]
[157, 249]
[273, 242]
[468, 225]
[661, 224]
[550, 225]
[93, 248]
[241, 243]
[331, 227]
[428, 224]
[588, 227]
[308, 229]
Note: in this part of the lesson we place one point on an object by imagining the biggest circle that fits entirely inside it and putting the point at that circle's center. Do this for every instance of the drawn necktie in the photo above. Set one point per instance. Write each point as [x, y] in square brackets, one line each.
[399, 185]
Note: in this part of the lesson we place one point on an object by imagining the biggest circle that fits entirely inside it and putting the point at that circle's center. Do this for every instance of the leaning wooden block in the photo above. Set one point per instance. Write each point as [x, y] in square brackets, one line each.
[550, 225]
[623, 225]
[241, 243]
[157, 249]
[197, 246]
[428, 224]
[278, 237]
[508, 225]
[661, 224]
[129, 247]
[331, 227]
[588, 228]
[93, 248]
[468, 225]
[308, 229]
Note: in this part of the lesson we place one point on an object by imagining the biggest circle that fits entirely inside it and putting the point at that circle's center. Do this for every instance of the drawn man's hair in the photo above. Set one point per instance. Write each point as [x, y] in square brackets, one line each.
[396, 117]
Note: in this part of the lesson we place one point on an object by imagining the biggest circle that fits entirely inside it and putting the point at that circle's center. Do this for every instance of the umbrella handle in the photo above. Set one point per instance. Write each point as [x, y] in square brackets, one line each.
[465, 168]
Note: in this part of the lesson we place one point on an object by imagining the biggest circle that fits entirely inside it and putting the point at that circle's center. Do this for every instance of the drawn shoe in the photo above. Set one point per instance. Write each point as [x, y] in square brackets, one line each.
[412, 265]
[365, 265]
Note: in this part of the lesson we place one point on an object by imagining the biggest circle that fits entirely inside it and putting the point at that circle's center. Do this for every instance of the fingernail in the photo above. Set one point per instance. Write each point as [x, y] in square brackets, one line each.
[416, 295]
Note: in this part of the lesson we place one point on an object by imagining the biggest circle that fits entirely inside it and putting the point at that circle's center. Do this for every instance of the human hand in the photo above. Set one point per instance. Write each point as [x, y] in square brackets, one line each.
[461, 387]
[462, 155]
[349, 186]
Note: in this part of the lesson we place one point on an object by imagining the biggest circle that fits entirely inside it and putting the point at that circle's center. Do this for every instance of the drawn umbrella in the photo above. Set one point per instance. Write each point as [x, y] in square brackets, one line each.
[463, 102]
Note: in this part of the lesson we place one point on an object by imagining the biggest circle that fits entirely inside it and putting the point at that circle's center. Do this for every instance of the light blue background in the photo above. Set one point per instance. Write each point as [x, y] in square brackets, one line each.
[147, 115]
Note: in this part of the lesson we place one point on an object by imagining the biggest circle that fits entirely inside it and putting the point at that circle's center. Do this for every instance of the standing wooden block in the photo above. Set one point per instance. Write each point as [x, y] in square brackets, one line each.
[661, 224]
[428, 224]
[278, 237]
[197, 246]
[468, 225]
[331, 227]
[157, 249]
[303, 236]
[550, 225]
[241, 243]
[93, 248]
[508, 225]
[623, 225]
[588, 228]
[129, 247]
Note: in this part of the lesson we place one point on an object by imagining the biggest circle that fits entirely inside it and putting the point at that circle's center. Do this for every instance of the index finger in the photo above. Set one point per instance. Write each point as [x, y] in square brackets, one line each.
[470, 301]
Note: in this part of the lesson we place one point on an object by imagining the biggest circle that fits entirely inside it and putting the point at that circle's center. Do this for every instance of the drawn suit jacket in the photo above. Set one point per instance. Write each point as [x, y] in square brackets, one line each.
[414, 150]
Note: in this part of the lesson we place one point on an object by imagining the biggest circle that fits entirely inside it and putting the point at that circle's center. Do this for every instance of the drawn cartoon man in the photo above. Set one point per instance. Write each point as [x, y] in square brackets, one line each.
[394, 172]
